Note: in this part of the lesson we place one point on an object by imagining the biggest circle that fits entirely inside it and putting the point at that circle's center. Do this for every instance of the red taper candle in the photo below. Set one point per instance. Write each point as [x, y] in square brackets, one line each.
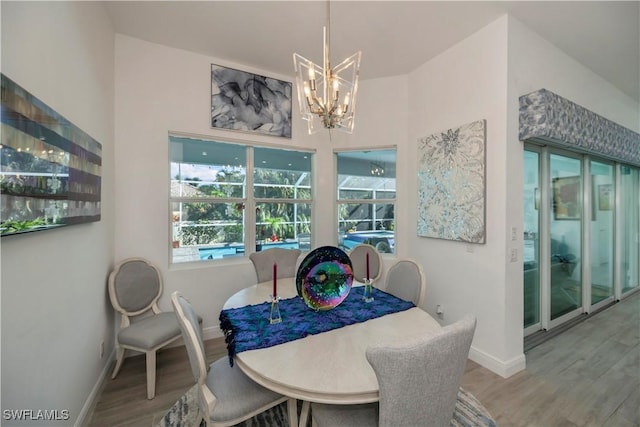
[367, 265]
[275, 278]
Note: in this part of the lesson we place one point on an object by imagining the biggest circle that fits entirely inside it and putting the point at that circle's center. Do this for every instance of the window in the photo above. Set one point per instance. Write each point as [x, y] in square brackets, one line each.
[367, 198]
[282, 191]
[215, 203]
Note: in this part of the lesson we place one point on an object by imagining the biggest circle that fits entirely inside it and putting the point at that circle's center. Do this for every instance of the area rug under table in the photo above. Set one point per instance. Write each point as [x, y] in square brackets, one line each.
[185, 413]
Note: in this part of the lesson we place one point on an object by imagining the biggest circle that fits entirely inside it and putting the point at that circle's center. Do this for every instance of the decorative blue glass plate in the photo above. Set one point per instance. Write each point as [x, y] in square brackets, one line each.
[324, 278]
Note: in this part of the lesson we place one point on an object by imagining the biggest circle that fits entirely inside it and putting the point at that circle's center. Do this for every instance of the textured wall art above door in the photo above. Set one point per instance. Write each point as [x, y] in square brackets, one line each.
[451, 184]
[550, 118]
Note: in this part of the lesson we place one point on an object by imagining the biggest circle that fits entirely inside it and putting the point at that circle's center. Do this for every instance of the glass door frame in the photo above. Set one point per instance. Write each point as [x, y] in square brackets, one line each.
[544, 235]
[545, 253]
[619, 240]
[588, 237]
[543, 203]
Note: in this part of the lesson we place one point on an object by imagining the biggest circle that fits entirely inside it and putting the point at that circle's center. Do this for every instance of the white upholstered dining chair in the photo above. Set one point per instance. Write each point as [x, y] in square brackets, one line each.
[135, 285]
[226, 396]
[358, 256]
[418, 382]
[405, 279]
[285, 258]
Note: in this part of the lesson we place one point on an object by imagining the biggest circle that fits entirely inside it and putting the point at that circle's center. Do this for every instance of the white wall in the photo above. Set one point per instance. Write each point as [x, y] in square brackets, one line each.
[55, 309]
[464, 84]
[54, 283]
[533, 64]
[482, 78]
[381, 120]
[161, 89]
[158, 90]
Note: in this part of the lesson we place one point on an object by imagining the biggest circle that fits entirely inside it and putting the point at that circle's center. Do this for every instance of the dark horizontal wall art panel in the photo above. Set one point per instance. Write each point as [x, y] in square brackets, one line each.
[50, 170]
[549, 117]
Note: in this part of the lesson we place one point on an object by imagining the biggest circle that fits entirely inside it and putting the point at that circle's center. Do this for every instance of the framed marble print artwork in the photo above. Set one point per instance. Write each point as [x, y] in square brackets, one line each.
[451, 184]
[248, 102]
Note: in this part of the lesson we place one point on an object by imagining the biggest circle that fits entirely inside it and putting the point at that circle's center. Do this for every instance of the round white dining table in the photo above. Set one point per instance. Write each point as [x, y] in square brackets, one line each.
[330, 367]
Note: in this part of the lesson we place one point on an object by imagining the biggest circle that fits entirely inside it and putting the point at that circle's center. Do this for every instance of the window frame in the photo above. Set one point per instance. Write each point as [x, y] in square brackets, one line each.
[248, 200]
[372, 202]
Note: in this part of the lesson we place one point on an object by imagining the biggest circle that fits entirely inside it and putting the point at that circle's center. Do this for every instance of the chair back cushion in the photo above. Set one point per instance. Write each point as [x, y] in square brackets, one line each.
[405, 280]
[134, 285]
[285, 258]
[192, 336]
[358, 256]
[419, 381]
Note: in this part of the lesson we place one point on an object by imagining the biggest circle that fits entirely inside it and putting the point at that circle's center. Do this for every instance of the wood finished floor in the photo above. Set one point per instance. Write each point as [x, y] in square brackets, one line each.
[587, 376]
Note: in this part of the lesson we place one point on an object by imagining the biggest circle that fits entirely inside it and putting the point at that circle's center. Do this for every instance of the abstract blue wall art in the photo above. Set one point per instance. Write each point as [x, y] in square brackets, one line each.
[451, 184]
[50, 170]
[249, 102]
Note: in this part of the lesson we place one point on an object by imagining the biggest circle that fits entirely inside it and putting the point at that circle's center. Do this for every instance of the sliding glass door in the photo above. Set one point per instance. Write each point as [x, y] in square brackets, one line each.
[581, 247]
[565, 231]
[630, 228]
[602, 231]
[531, 249]
[581, 224]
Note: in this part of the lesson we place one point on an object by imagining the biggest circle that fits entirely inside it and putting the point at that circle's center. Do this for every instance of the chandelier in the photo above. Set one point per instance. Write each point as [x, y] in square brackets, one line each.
[327, 96]
[377, 169]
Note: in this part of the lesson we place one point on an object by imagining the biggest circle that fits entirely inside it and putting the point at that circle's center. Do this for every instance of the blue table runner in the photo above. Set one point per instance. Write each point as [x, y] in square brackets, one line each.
[248, 328]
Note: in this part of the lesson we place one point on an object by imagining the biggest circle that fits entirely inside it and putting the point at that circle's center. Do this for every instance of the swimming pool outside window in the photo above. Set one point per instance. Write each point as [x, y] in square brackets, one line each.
[282, 191]
[218, 210]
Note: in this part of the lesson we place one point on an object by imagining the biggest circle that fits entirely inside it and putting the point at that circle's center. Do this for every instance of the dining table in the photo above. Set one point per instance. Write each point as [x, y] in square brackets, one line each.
[328, 367]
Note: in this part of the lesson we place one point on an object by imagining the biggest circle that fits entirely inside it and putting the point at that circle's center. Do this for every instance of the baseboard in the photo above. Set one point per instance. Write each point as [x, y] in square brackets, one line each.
[503, 368]
[207, 334]
[89, 404]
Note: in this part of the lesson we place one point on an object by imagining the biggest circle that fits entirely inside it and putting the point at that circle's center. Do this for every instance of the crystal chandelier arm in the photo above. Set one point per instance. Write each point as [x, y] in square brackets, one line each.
[316, 105]
[313, 101]
[310, 94]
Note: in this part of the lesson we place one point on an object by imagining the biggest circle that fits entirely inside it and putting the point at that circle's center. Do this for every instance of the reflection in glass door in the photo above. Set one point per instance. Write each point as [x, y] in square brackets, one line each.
[581, 225]
[530, 251]
[565, 234]
[602, 231]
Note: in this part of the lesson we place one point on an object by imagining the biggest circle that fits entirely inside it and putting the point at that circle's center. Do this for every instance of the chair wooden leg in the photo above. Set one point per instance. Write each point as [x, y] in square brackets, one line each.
[292, 410]
[119, 360]
[151, 374]
[304, 413]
